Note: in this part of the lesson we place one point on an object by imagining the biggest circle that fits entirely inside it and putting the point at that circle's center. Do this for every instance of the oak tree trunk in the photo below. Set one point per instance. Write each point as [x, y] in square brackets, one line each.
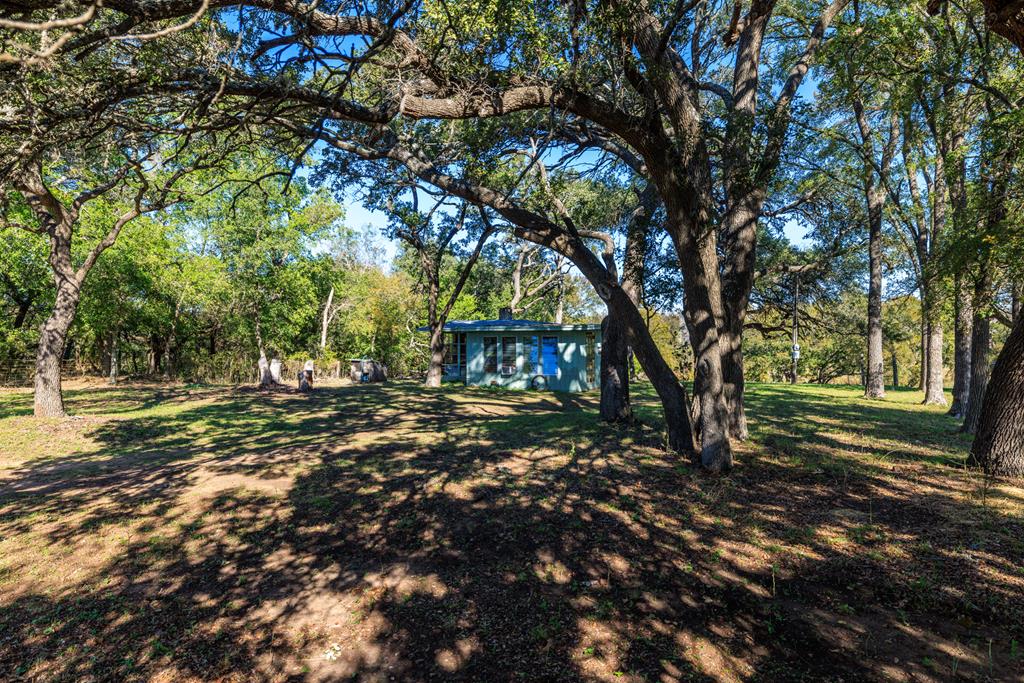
[981, 341]
[436, 369]
[24, 306]
[741, 230]
[961, 351]
[114, 358]
[922, 380]
[703, 302]
[615, 405]
[934, 393]
[875, 384]
[53, 336]
[674, 403]
[999, 442]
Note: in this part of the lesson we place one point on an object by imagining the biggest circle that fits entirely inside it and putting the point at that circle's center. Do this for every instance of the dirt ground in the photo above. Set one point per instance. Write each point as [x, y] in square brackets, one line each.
[390, 532]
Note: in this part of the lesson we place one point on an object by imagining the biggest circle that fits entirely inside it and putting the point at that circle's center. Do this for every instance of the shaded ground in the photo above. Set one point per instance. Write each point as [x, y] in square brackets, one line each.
[394, 533]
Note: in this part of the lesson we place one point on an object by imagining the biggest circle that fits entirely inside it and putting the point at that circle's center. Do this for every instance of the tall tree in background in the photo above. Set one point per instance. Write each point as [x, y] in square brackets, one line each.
[57, 219]
[439, 233]
[263, 227]
[856, 84]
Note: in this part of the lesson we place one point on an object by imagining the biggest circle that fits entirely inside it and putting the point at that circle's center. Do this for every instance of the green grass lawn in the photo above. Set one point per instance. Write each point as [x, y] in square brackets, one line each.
[390, 532]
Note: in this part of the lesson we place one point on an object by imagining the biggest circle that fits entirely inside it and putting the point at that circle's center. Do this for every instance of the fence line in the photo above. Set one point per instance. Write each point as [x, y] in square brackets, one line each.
[20, 372]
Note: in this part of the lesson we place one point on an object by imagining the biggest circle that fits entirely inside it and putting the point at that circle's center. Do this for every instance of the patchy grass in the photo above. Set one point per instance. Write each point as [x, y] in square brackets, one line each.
[379, 532]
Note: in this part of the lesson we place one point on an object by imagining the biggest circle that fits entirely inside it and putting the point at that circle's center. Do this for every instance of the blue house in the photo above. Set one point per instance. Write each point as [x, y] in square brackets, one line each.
[523, 354]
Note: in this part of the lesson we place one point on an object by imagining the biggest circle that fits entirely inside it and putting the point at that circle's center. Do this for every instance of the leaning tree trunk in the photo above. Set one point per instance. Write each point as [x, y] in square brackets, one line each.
[615, 405]
[674, 403]
[999, 442]
[436, 369]
[981, 340]
[962, 352]
[266, 377]
[616, 353]
[53, 336]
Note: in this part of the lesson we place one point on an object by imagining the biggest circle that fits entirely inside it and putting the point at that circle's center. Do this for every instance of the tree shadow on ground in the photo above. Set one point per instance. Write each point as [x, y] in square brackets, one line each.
[396, 533]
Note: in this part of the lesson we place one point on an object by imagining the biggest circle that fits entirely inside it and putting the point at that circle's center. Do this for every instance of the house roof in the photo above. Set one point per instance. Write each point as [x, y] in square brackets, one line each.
[512, 325]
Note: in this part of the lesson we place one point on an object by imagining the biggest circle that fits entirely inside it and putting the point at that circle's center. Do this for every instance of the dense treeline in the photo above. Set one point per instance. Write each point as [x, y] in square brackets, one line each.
[199, 292]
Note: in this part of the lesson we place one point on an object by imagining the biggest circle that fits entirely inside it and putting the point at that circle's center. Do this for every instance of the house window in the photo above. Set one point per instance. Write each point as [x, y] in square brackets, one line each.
[449, 349]
[591, 360]
[462, 353]
[490, 354]
[508, 354]
[529, 355]
[549, 355]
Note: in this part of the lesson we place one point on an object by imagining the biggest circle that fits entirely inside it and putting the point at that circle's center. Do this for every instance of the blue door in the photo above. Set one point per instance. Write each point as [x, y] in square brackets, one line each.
[549, 355]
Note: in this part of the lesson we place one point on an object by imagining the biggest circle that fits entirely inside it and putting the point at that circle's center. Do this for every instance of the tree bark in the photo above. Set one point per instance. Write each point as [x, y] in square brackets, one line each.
[437, 315]
[435, 371]
[57, 222]
[53, 335]
[895, 371]
[932, 287]
[616, 353]
[875, 385]
[674, 403]
[114, 357]
[560, 306]
[981, 342]
[266, 378]
[24, 306]
[962, 333]
[155, 359]
[702, 289]
[934, 393]
[326, 320]
[875, 194]
[615, 405]
[922, 380]
[741, 225]
[998, 447]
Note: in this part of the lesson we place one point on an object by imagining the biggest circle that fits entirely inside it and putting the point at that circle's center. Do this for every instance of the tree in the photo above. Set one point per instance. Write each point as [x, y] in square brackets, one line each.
[434, 235]
[1000, 434]
[1001, 16]
[87, 148]
[56, 218]
[263, 227]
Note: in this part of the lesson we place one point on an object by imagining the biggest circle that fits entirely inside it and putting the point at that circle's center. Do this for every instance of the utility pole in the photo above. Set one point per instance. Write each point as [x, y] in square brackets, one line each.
[795, 351]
